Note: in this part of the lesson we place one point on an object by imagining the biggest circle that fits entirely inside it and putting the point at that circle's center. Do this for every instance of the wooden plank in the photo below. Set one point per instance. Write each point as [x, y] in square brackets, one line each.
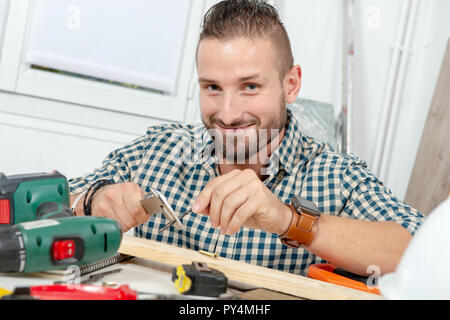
[243, 272]
[265, 294]
[430, 180]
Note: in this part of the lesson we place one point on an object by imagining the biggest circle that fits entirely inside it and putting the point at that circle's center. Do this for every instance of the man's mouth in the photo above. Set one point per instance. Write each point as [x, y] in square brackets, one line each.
[236, 130]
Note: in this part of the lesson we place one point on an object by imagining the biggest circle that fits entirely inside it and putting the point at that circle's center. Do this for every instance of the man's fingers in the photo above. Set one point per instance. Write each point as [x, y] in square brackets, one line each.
[113, 213]
[243, 200]
[233, 202]
[220, 193]
[236, 183]
[204, 197]
[203, 212]
[241, 215]
[122, 203]
[135, 210]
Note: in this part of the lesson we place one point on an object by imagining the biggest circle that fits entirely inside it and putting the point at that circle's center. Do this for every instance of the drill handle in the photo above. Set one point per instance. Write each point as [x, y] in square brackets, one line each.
[53, 210]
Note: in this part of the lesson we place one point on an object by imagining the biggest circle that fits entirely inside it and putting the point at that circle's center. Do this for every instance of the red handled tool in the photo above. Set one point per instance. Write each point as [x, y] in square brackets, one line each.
[90, 292]
[72, 292]
[329, 273]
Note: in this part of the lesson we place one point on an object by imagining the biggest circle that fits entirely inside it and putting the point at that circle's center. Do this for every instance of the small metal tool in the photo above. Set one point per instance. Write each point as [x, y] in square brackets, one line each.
[97, 276]
[206, 253]
[88, 278]
[155, 202]
[173, 221]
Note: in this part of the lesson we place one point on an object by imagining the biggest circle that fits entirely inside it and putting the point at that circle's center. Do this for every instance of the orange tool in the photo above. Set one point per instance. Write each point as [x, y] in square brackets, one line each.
[327, 272]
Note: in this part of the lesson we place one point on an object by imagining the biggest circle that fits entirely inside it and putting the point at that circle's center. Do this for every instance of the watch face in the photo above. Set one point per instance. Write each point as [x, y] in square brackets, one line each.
[306, 206]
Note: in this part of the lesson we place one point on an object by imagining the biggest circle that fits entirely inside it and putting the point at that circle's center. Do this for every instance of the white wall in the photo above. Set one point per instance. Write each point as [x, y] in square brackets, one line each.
[315, 31]
[433, 33]
[314, 28]
[376, 24]
[28, 150]
[41, 135]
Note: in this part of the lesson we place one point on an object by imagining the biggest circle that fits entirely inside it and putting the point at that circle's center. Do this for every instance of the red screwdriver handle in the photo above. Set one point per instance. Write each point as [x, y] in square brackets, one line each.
[82, 292]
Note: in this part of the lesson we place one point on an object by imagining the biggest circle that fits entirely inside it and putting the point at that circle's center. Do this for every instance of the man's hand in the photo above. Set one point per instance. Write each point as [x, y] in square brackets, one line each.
[121, 202]
[239, 198]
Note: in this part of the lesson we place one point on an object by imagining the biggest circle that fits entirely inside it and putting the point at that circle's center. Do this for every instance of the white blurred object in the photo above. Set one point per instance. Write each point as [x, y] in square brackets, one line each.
[423, 270]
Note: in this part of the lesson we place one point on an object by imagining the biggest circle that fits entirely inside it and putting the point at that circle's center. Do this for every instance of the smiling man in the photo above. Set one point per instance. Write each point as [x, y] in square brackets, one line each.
[259, 189]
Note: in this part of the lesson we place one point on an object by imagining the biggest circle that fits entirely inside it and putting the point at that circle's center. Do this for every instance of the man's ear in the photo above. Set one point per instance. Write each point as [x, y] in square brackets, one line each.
[292, 83]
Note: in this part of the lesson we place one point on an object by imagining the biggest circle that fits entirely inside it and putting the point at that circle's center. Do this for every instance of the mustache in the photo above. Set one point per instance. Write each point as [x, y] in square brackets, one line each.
[235, 124]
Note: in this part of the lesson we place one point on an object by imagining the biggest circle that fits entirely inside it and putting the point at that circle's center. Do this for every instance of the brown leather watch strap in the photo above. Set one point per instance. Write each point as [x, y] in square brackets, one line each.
[301, 231]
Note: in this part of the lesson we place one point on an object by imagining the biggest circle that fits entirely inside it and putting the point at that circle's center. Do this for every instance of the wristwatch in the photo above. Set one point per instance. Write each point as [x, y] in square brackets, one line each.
[302, 229]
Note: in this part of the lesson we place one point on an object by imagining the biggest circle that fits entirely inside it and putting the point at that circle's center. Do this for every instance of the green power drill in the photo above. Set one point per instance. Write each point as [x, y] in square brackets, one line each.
[39, 232]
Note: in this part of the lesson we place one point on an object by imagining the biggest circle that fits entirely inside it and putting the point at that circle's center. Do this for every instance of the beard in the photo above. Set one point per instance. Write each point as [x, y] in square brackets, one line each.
[245, 146]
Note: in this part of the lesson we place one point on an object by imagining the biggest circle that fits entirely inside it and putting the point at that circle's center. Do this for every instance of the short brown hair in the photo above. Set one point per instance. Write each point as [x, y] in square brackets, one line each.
[252, 19]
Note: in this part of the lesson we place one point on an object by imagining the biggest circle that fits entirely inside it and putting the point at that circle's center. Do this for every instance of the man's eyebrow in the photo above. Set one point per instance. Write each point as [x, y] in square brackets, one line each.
[205, 80]
[241, 79]
[250, 77]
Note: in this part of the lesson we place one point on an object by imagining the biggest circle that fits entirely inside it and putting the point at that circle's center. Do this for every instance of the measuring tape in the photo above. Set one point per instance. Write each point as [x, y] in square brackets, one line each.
[198, 279]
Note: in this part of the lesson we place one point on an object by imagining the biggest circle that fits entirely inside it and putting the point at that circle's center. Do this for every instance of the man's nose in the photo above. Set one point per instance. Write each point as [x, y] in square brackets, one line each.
[231, 111]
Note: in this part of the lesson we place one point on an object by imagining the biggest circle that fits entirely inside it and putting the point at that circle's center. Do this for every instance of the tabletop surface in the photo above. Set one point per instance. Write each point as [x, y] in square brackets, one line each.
[140, 274]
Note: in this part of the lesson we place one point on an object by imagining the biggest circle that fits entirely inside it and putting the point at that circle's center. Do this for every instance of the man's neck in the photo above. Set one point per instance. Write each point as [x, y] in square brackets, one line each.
[257, 165]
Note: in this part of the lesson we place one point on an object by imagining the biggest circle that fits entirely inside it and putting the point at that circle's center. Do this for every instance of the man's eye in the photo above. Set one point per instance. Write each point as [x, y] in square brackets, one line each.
[212, 87]
[251, 86]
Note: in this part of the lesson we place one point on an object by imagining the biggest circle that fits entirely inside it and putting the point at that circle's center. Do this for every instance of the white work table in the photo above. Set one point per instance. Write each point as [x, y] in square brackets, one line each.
[140, 274]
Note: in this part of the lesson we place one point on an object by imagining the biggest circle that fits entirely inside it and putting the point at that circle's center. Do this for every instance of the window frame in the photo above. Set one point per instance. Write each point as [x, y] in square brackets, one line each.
[19, 77]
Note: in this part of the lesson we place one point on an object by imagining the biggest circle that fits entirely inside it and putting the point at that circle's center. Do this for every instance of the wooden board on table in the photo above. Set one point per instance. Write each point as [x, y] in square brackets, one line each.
[240, 271]
[265, 294]
[430, 180]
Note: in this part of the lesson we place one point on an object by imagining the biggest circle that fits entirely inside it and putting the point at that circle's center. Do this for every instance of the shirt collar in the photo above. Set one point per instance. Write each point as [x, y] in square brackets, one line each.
[285, 156]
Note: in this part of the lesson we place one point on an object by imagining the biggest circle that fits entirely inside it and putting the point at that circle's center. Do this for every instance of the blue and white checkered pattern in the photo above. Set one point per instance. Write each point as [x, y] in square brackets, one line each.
[176, 160]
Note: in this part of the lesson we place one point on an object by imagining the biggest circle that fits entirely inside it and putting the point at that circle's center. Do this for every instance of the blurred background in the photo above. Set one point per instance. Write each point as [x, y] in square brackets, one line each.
[79, 78]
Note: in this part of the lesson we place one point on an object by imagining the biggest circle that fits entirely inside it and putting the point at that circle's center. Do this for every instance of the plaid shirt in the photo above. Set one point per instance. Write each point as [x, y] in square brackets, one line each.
[176, 160]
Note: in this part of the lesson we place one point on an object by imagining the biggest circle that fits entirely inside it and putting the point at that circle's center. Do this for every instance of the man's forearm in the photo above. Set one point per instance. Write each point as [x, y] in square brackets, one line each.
[354, 245]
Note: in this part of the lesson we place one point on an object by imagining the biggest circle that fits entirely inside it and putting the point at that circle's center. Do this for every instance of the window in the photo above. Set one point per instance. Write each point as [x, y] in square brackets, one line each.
[139, 43]
[103, 53]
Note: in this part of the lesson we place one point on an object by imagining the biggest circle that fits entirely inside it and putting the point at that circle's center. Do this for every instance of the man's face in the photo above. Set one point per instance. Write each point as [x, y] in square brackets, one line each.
[241, 93]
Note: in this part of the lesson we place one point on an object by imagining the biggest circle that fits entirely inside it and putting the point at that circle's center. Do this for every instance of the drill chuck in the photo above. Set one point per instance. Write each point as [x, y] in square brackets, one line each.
[12, 251]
